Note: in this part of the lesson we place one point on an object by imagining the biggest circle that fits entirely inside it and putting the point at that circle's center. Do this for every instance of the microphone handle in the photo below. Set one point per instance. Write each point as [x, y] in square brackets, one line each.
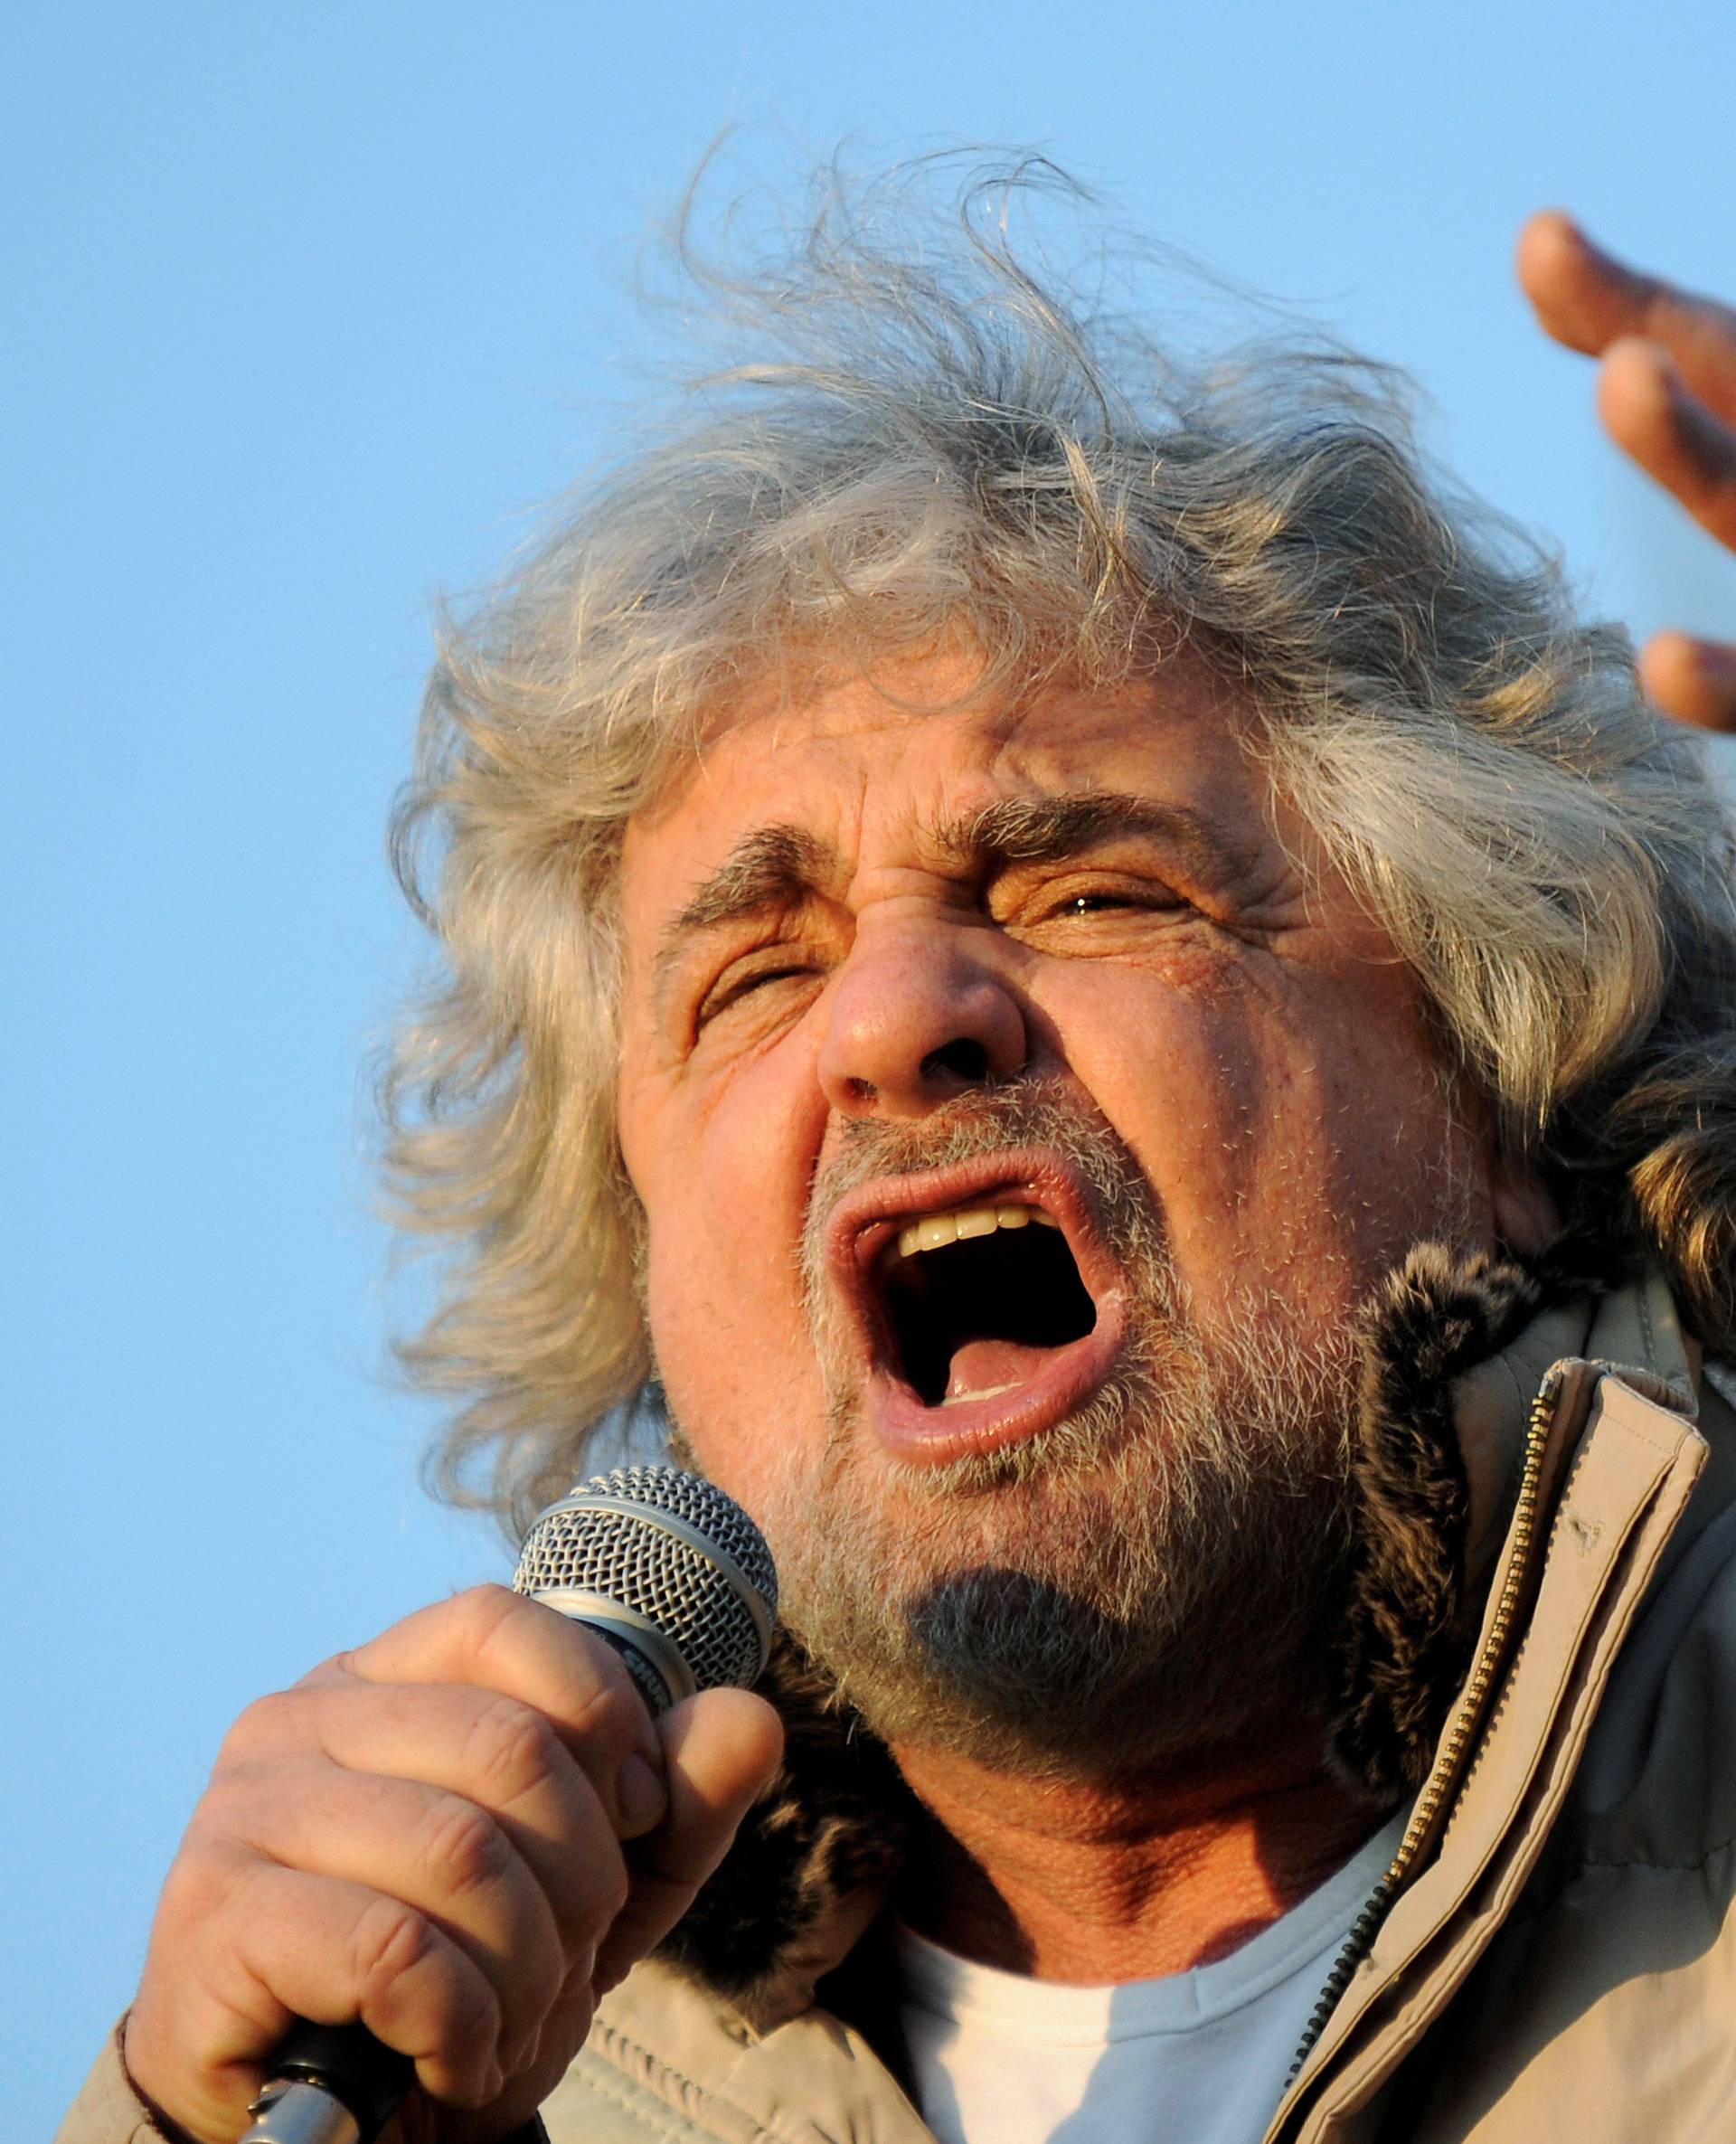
[329, 2084]
[336, 2084]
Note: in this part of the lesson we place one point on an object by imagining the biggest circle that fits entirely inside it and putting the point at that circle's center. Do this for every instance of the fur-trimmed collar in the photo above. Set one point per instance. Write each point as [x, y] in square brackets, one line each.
[817, 1854]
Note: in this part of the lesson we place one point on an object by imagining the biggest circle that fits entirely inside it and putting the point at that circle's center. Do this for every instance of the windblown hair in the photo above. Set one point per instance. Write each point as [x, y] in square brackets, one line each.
[935, 441]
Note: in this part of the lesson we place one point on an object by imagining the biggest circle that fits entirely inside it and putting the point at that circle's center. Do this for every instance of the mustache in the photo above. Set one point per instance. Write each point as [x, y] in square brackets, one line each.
[992, 1120]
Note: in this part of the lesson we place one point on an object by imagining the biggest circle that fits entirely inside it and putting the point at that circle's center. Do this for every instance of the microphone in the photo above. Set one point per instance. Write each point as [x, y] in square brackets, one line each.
[674, 1576]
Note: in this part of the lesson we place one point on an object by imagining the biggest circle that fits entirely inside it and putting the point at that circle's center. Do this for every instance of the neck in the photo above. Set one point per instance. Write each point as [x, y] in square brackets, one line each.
[1100, 1881]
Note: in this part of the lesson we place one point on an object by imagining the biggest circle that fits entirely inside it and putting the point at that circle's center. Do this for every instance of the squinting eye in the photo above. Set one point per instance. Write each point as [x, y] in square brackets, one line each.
[1091, 904]
[735, 988]
[772, 975]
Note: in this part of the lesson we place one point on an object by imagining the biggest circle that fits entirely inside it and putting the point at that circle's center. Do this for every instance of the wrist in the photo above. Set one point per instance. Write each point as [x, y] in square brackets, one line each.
[155, 2118]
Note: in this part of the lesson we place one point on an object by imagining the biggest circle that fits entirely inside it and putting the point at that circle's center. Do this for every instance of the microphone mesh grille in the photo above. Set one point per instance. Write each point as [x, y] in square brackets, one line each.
[633, 1561]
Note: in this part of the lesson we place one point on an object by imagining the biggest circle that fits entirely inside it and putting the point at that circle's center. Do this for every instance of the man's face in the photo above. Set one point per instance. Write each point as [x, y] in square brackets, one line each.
[1020, 1116]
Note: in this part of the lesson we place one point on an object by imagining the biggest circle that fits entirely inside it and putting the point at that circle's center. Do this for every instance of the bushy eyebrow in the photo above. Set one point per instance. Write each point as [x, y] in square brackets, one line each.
[769, 867]
[775, 866]
[1045, 830]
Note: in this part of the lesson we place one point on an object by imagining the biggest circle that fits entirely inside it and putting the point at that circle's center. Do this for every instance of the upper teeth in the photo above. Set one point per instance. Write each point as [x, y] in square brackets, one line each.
[935, 1230]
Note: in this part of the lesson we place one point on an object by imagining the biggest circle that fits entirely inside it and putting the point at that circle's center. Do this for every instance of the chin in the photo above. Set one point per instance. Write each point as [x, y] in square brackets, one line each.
[1010, 1672]
[1144, 1578]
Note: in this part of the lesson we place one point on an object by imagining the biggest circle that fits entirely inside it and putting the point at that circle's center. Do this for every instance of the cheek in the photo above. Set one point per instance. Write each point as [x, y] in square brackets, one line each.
[1299, 1138]
[1383, 1159]
[1409, 1165]
[724, 1190]
[1179, 1068]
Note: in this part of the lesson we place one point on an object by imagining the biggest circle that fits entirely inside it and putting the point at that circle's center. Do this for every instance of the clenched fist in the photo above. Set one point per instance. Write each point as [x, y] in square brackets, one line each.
[462, 1834]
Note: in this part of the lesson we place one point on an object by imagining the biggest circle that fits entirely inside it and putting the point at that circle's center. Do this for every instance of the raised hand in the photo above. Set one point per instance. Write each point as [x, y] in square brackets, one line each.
[1666, 392]
[463, 1833]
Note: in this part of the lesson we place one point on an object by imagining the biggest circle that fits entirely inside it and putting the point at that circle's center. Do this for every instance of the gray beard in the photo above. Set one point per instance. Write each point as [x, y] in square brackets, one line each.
[1144, 1578]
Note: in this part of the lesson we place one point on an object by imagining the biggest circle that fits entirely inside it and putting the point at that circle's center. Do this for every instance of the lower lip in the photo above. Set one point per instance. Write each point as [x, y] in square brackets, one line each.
[926, 1436]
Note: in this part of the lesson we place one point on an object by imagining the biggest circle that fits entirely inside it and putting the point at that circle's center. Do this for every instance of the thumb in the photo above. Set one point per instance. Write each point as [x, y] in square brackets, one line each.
[721, 1751]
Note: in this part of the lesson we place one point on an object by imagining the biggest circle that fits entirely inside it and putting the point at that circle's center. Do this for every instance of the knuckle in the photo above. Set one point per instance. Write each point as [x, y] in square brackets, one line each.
[229, 1806]
[612, 1709]
[489, 1622]
[390, 1940]
[482, 1612]
[513, 1749]
[463, 1849]
[200, 1884]
[268, 1723]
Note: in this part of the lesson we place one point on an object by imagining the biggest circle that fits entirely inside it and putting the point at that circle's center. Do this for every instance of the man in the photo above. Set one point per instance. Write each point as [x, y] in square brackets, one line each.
[1138, 1025]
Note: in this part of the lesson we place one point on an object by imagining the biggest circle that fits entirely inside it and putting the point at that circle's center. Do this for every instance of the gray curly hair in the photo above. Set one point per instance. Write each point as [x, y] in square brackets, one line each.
[936, 437]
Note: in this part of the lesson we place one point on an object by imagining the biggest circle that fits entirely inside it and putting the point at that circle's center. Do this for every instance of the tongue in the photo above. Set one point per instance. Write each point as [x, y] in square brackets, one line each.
[979, 1367]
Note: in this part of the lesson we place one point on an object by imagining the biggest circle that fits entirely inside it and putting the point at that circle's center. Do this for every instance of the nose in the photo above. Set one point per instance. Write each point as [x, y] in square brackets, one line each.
[917, 1019]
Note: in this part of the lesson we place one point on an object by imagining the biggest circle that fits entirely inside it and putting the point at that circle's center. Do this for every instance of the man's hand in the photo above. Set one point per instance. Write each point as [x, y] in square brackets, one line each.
[1666, 393]
[428, 1834]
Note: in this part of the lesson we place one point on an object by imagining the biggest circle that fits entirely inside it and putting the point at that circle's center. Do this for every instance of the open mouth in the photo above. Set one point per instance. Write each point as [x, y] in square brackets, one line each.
[989, 1306]
[976, 1297]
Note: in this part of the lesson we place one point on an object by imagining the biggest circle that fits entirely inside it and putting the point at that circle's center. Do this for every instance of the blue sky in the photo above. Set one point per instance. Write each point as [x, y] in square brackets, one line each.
[310, 306]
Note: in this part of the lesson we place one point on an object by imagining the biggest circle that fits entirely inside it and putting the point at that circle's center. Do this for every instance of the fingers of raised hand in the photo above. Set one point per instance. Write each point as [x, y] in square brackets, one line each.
[1692, 679]
[1651, 414]
[498, 1640]
[1588, 300]
[1666, 392]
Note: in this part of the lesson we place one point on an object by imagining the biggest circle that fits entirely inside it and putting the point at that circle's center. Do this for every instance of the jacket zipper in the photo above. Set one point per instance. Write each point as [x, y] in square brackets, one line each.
[1467, 1712]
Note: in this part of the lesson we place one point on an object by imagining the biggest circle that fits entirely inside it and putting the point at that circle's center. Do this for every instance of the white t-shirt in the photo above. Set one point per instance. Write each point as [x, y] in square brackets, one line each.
[1197, 2058]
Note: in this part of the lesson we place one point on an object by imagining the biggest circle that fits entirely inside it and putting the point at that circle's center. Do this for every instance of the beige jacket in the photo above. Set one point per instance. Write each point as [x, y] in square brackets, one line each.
[1553, 1955]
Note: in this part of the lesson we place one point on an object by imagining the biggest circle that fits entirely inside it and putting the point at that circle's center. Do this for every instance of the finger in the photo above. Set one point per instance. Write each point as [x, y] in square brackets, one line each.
[435, 1851]
[496, 1640]
[291, 1945]
[1692, 679]
[1651, 415]
[504, 1756]
[1587, 299]
[1584, 296]
[721, 1749]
